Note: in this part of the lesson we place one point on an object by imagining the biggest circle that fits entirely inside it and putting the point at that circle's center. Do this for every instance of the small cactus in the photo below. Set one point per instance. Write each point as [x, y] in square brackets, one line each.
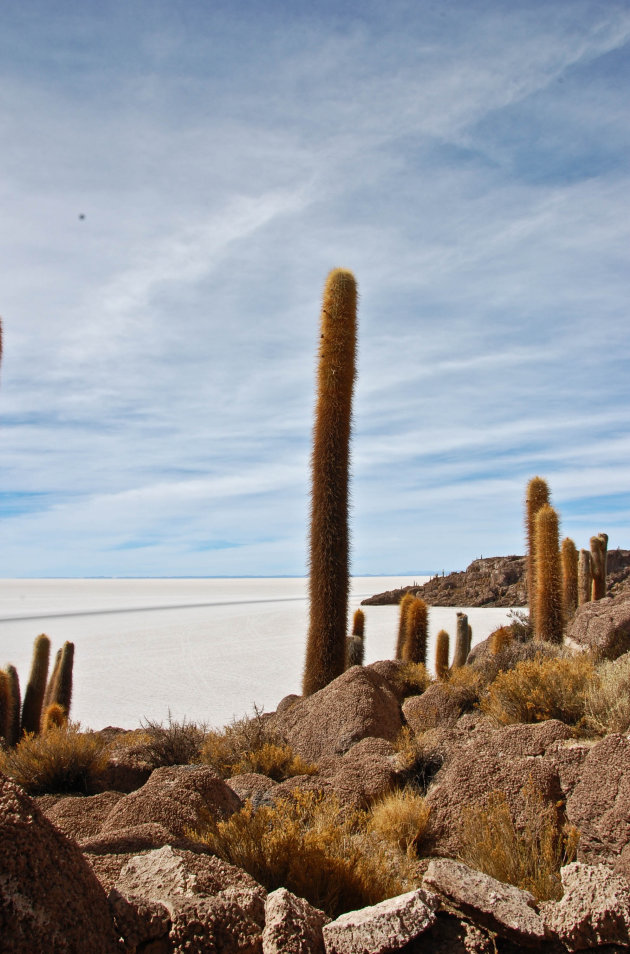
[5, 708]
[358, 623]
[569, 557]
[404, 605]
[62, 690]
[599, 554]
[499, 639]
[54, 715]
[36, 686]
[355, 651]
[441, 654]
[13, 729]
[462, 641]
[415, 645]
[585, 577]
[548, 616]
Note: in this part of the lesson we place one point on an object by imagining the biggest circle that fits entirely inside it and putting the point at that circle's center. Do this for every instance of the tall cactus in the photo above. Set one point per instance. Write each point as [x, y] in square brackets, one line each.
[62, 690]
[462, 641]
[569, 556]
[536, 496]
[417, 631]
[13, 736]
[585, 577]
[5, 708]
[441, 654]
[404, 605]
[599, 558]
[329, 537]
[36, 686]
[548, 616]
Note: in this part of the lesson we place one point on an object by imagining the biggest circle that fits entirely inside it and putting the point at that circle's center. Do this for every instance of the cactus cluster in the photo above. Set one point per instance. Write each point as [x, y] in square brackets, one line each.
[46, 700]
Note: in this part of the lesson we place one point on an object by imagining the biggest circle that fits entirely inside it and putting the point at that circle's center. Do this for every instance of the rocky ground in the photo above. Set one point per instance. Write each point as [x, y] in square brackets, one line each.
[117, 871]
[490, 581]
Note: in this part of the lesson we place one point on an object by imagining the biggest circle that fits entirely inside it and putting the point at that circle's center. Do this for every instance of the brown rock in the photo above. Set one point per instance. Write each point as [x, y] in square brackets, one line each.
[209, 925]
[529, 739]
[356, 705]
[599, 805]
[130, 840]
[50, 900]
[292, 925]
[440, 705]
[383, 927]
[81, 816]
[594, 910]
[602, 626]
[568, 757]
[139, 922]
[366, 772]
[500, 907]
[451, 935]
[173, 797]
[253, 787]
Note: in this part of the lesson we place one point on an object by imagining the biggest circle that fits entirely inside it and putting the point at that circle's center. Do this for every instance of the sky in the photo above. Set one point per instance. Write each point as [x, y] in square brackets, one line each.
[176, 181]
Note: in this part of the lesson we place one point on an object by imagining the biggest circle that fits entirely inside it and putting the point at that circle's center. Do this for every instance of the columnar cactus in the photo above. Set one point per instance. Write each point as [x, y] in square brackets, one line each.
[548, 615]
[5, 707]
[585, 577]
[417, 631]
[52, 681]
[405, 603]
[358, 623]
[329, 538]
[537, 495]
[54, 715]
[599, 557]
[13, 736]
[62, 690]
[499, 639]
[355, 647]
[462, 641]
[36, 686]
[569, 558]
[441, 654]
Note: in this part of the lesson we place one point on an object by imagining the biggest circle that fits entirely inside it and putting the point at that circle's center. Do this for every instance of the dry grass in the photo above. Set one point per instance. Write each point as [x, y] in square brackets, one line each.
[177, 743]
[61, 761]
[530, 858]
[418, 758]
[540, 689]
[412, 679]
[249, 745]
[607, 705]
[309, 845]
[400, 818]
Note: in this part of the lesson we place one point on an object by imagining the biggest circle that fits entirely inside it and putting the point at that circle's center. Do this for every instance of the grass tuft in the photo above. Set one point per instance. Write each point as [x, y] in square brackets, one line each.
[400, 817]
[177, 743]
[608, 697]
[64, 760]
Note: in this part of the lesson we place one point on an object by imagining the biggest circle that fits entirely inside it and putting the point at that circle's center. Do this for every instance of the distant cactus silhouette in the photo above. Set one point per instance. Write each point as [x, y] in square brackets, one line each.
[548, 616]
[13, 736]
[404, 605]
[355, 651]
[536, 496]
[329, 537]
[62, 690]
[36, 686]
[441, 654]
[462, 641]
[599, 555]
[54, 715]
[415, 645]
[569, 557]
[585, 577]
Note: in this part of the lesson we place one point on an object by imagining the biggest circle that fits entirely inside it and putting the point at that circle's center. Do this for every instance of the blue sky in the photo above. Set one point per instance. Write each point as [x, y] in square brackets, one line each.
[469, 161]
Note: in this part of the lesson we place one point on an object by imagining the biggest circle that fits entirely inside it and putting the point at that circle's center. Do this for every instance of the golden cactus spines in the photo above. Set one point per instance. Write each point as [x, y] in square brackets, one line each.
[569, 558]
[62, 691]
[536, 496]
[358, 623]
[585, 577]
[49, 695]
[442, 649]
[599, 558]
[548, 616]
[54, 715]
[13, 736]
[499, 639]
[417, 632]
[329, 536]
[462, 641]
[36, 686]
[404, 605]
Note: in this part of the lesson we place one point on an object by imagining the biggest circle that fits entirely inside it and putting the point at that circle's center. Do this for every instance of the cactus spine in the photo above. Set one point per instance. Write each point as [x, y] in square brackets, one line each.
[569, 557]
[13, 729]
[585, 577]
[462, 641]
[599, 557]
[36, 686]
[329, 537]
[441, 654]
[405, 603]
[536, 496]
[62, 689]
[548, 619]
[415, 645]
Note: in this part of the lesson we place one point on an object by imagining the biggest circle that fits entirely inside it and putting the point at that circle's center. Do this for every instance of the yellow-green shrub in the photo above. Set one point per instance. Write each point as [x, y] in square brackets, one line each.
[540, 689]
[529, 858]
[608, 697]
[63, 760]
[400, 817]
[308, 844]
[248, 745]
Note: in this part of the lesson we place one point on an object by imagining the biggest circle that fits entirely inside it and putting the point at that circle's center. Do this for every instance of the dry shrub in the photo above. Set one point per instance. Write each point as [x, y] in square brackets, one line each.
[467, 683]
[308, 844]
[400, 817]
[411, 679]
[607, 704]
[540, 689]
[419, 758]
[250, 745]
[177, 743]
[61, 761]
[530, 858]
[490, 664]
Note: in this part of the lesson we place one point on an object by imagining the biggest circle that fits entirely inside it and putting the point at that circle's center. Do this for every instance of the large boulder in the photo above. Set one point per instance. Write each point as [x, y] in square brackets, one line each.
[441, 705]
[383, 927]
[602, 626]
[356, 705]
[594, 910]
[50, 899]
[292, 925]
[174, 797]
[502, 908]
[81, 816]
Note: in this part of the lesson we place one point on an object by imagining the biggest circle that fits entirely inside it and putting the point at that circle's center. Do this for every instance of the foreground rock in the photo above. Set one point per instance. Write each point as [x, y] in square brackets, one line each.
[595, 908]
[603, 626]
[292, 925]
[384, 927]
[357, 705]
[50, 900]
[502, 908]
